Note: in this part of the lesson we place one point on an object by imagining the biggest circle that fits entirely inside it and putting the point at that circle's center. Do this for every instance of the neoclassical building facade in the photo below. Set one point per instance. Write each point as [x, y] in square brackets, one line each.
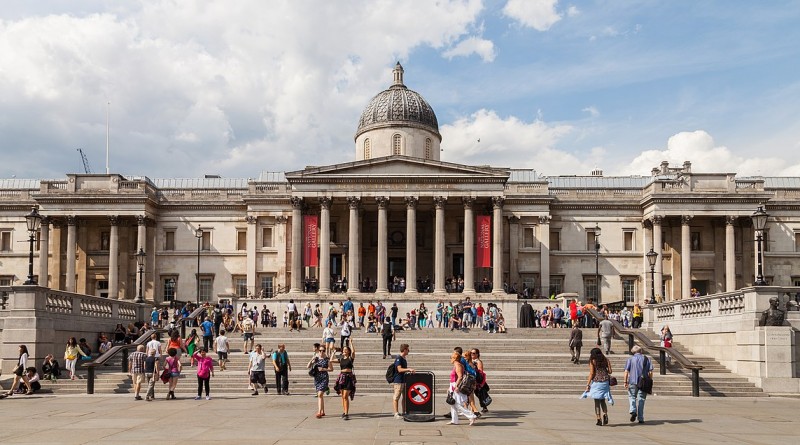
[397, 210]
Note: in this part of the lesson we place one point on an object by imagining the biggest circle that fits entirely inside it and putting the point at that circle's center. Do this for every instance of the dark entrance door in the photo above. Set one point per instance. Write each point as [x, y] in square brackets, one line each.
[458, 264]
[701, 286]
[397, 267]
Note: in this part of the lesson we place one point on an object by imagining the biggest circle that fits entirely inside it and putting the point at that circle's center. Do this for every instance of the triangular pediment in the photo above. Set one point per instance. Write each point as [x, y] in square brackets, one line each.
[394, 167]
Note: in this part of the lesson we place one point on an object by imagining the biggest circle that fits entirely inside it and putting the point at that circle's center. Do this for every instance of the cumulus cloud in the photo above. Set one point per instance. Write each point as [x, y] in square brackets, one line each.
[472, 45]
[537, 14]
[485, 138]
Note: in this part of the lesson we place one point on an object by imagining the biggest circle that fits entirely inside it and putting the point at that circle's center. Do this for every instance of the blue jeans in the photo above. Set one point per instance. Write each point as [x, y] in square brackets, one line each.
[636, 399]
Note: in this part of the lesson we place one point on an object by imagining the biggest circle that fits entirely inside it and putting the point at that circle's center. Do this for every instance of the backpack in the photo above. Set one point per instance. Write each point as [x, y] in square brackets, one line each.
[391, 372]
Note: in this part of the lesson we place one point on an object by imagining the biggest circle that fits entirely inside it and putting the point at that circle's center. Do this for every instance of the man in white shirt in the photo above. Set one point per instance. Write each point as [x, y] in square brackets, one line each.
[154, 345]
[248, 327]
[255, 369]
[222, 345]
[291, 308]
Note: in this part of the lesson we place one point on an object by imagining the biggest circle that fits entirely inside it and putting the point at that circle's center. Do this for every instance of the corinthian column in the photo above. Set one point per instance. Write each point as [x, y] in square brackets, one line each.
[438, 258]
[469, 246]
[411, 244]
[325, 245]
[383, 252]
[113, 258]
[497, 245]
[544, 255]
[72, 246]
[354, 252]
[686, 257]
[297, 245]
[657, 247]
[44, 251]
[730, 255]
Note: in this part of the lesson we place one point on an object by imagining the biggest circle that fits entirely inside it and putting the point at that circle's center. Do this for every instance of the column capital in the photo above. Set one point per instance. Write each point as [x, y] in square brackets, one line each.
[468, 201]
[353, 202]
[497, 202]
[72, 220]
[513, 219]
[325, 202]
[730, 220]
[545, 219]
[141, 220]
[383, 201]
[251, 219]
[113, 220]
[297, 202]
[411, 202]
[439, 201]
[46, 220]
[685, 219]
[280, 219]
[656, 219]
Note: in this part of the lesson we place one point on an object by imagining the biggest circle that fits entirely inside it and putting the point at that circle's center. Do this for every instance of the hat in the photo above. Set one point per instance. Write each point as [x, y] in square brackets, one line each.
[636, 349]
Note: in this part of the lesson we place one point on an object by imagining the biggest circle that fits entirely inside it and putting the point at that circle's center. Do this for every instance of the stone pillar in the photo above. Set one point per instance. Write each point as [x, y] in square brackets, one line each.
[354, 252]
[141, 243]
[658, 245]
[411, 244]
[439, 245]
[297, 245]
[280, 242]
[44, 251]
[383, 239]
[686, 257]
[730, 255]
[497, 245]
[72, 245]
[469, 245]
[250, 248]
[325, 245]
[544, 253]
[113, 258]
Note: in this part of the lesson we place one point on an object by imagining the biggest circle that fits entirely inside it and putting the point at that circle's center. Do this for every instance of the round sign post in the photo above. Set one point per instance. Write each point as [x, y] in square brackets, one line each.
[419, 397]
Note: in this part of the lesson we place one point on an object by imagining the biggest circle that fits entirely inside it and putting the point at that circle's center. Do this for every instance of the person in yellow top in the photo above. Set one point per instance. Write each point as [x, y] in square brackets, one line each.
[638, 317]
[71, 354]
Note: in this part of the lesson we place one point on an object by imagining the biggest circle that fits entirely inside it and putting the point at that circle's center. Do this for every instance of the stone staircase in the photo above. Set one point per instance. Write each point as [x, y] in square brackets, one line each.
[527, 361]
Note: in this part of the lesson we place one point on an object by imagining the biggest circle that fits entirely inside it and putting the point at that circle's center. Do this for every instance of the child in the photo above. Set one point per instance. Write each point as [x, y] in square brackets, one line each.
[285, 319]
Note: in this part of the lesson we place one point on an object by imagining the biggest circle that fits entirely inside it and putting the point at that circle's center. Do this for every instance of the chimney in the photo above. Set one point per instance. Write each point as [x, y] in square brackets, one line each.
[597, 172]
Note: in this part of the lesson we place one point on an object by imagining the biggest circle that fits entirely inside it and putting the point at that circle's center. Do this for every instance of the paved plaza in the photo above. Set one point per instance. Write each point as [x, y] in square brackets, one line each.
[78, 419]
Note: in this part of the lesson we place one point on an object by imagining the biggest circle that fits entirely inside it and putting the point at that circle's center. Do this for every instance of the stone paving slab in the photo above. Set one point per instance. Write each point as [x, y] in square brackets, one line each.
[523, 419]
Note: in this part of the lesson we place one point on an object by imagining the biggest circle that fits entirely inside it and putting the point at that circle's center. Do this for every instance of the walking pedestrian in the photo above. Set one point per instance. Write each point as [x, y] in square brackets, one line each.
[604, 332]
[345, 332]
[346, 382]
[599, 383]
[174, 365]
[208, 332]
[575, 343]
[222, 346]
[328, 338]
[461, 402]
[637, 366]
[320, 365]
[176, 342]
[191, 346]
[400, 368]
[205, 370]
[22, 364]
[136, 370]
[282, 366]
[70, 355]
[388, 335]
[481, 387]
[248, 330]
[151, 373]
[255, 370]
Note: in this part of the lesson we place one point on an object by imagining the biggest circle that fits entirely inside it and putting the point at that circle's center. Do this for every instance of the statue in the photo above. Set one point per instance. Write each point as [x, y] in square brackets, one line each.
[772, 316]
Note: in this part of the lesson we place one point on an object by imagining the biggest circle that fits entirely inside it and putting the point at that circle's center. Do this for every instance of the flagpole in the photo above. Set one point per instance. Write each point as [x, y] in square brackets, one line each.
[108, 107]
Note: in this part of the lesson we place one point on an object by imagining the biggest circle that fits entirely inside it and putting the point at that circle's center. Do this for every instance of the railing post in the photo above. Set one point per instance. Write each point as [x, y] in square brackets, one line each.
[125, 360]
[90, 381]
[630, 343]
[183, 328]
[695, 383]
[662, 362]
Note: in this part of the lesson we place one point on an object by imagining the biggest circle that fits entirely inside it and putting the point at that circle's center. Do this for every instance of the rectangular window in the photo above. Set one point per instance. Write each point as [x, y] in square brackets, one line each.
[241, 240]
[530, 285]
[206, 244]
[266, 237]
[665, 286]
[555, 240]
[105, 240]
[267, 289]
[695, 239]
[206, 288]
[556, 284]
[169, 287]
[765, 240]
[169, 240]
[5, 241]
[629, 290]
[5, 280]
[240, 286]
[527, 236]
[590, 240]
[795, 281]
[590, 287]
[38, 240]
[627, 240]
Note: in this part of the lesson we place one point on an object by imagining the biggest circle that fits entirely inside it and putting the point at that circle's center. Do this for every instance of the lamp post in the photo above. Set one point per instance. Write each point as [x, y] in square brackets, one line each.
[140, 257]
[759, 218]
[34, 221]
[597, 259]
[199, 235]
[652, 256]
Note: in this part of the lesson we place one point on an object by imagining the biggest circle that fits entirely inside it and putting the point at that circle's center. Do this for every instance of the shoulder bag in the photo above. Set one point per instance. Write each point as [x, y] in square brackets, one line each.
[645, 382]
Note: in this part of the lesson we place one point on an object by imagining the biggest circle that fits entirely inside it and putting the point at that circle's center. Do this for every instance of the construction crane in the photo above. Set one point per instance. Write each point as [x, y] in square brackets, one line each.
[86, 168]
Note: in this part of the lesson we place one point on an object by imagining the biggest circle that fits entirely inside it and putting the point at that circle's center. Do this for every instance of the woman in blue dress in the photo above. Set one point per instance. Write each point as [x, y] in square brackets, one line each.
[319, 367]
[599, 384]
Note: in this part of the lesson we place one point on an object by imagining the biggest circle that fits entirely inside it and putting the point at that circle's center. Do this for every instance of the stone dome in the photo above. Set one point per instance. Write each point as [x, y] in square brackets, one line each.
[398, 106]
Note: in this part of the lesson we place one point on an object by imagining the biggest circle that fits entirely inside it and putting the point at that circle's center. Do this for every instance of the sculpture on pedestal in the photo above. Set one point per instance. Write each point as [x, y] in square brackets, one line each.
[773, 316]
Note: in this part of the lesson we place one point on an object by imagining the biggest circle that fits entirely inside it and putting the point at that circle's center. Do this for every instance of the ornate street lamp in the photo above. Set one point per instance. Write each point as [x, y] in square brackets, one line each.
[140, 257]
[34, 221]
[199, 235]
[652, 256]
[759, 218]
[597, 260]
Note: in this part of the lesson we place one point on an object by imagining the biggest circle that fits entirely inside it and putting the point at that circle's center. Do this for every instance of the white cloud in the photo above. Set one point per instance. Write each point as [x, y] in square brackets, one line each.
[537, 14]
[572, 11]
[472, 45]
[593, 112]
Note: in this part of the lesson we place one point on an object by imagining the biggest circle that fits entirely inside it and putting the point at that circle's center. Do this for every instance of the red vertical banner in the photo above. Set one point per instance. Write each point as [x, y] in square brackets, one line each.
[310, 240]
[483, 249]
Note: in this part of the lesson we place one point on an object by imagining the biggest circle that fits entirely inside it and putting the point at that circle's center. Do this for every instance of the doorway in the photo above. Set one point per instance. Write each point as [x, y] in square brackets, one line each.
[458, 264]
[397, 267]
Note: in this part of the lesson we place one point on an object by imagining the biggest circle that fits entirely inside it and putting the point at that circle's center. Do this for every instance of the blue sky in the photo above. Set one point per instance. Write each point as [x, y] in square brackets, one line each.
[236, 88]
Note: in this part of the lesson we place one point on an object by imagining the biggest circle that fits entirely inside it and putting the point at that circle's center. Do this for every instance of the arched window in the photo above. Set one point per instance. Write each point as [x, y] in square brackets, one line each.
[367, 149]
[428, 148]
[397, 144]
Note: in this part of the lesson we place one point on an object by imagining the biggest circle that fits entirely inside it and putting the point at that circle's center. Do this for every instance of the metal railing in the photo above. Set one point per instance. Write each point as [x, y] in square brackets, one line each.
[635, 335]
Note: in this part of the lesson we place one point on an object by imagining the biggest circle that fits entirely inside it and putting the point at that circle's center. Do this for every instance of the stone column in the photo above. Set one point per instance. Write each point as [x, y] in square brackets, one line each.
[730, 255]
[325, 245]
[280, 242]
[113, 258]
[354, 253]
[658, 245]
[72, 245]
[497, 245]
[250, 248]
[297, 245]
[141, 243]
[544, 255]
[686, 257]
[383, 252]
[469, 245]
[439, 245]
[411, 244]
[44, 251]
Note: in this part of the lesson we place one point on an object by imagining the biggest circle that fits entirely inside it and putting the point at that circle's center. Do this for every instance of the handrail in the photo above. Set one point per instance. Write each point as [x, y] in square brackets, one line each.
[192, 316]
[648, 344]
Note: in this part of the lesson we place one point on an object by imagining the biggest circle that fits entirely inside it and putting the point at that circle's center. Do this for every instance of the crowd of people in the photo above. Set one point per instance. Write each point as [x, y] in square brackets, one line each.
[577, 313]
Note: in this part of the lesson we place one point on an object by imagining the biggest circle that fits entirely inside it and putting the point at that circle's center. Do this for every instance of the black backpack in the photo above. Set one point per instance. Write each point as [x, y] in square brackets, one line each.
[391, 372]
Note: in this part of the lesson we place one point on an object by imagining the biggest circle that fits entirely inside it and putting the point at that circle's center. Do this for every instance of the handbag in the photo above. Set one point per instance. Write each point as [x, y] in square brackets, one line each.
[645, 382]
[450, 400]
[165, 375]
[612, 381]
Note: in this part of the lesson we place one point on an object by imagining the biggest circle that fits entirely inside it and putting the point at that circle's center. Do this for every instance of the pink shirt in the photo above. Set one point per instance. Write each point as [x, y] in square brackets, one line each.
[205, 365]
